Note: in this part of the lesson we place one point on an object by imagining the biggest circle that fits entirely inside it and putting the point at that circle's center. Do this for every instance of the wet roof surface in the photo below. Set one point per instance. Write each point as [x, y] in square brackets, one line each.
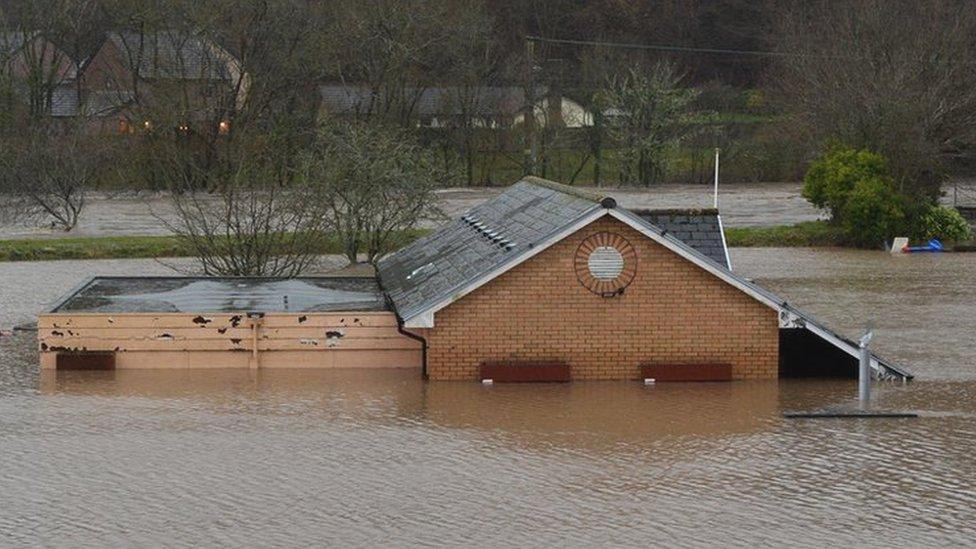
[698, 229]
[487, 236]
[193, 295]
[507, 226]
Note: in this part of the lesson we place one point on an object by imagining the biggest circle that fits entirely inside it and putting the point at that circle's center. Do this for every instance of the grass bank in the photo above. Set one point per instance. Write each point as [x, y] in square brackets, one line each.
[806, 234]
[122, 247]
[809, 234]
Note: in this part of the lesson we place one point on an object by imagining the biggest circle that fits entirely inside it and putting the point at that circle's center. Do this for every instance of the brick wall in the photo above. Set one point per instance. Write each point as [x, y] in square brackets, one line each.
[672, 312]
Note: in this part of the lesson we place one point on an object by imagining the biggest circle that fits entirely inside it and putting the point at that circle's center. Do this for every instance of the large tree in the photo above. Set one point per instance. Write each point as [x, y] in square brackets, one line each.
[892, 76]
[373, 184]
[652, 114]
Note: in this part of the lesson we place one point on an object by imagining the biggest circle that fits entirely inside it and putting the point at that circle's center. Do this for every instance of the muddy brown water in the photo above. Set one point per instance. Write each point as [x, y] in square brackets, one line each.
[364, 458]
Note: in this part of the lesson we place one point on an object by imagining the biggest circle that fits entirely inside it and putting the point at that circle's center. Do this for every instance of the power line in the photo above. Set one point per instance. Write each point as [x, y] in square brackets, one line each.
[657, 47]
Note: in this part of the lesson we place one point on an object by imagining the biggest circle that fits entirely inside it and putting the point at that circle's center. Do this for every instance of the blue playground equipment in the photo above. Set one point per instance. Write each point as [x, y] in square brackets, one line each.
[932, 246]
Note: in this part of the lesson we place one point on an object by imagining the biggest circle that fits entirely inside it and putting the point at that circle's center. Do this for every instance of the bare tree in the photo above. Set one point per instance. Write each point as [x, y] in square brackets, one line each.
[48, 177]
[374, 184]
[473, 68]
[895, 77]
[253, 224]
[207, 73]
[396, 50]
[37, 64]
[652, 114]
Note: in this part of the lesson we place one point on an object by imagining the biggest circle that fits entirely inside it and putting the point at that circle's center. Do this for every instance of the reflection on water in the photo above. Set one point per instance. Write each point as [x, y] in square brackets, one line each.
[370, 457]
[347, 458]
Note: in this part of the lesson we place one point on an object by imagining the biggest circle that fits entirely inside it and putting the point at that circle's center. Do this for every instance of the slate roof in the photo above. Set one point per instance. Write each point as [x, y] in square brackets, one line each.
[499, 229]
[700, 229]
[487, 236]
[170, 55]
[64, 100]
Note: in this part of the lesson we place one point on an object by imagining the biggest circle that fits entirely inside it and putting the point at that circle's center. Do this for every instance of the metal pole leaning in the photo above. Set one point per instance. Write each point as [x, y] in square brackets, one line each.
[864, 372]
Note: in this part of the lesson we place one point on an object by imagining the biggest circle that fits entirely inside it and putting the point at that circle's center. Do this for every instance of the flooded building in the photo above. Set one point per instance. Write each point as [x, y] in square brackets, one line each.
[543, 282]
[177, 322]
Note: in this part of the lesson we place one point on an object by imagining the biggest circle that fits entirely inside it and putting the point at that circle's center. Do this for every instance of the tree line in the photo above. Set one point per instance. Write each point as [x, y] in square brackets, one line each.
[219, 103]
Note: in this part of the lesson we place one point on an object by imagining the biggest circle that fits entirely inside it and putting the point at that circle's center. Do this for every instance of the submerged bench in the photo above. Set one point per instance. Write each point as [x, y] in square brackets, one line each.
[524, 372]
[686, 372]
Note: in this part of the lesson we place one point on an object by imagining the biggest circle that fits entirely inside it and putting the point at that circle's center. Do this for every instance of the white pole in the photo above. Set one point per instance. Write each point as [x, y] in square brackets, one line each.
[864, 372]
[715, 201]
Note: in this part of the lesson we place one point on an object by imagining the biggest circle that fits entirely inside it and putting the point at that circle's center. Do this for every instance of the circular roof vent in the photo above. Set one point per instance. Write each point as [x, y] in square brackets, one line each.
[605, 264]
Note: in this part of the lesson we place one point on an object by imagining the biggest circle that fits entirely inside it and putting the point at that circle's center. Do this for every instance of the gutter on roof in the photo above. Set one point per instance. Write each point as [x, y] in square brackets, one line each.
[674, 211]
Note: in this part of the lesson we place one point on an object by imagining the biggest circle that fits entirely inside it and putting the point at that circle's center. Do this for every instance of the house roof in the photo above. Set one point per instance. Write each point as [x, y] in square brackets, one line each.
[488, 235]
[533, 214]
[434, 101]
[232, 294]
[166, 54]
[517, 220]
[33, 43]
[699, 228]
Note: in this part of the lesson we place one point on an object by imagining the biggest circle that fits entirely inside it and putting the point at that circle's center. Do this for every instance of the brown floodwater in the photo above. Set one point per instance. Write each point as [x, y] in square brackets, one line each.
[366, 458]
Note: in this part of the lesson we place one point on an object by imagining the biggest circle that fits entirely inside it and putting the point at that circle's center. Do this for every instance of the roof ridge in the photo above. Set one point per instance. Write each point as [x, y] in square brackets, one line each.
[566, 189]
[675, 211]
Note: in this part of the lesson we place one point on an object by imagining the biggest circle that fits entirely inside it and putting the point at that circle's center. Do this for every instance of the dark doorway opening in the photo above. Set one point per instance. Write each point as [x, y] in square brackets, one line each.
[803, 353]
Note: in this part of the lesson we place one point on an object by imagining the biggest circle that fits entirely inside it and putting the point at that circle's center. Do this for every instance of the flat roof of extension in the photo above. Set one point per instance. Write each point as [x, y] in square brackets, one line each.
[217, 295]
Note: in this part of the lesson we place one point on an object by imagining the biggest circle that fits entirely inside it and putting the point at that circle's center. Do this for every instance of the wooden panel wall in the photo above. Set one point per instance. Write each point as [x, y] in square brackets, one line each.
[147, 340]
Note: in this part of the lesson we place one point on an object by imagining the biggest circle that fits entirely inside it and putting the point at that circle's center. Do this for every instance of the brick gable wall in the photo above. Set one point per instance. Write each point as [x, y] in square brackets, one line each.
[672, 312]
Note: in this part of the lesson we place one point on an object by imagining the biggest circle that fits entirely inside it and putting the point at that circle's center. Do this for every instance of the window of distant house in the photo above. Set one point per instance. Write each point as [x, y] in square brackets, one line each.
[224, 127]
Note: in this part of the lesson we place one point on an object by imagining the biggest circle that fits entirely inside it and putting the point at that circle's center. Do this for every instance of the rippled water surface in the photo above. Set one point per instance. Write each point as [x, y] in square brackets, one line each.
[354, 458]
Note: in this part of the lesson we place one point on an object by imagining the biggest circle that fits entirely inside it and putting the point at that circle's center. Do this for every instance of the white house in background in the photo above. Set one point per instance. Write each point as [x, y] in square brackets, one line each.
[571, 114]
[492, 107]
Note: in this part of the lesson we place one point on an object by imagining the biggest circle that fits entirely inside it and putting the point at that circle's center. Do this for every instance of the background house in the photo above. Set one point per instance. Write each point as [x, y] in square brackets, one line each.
[40, 74]
[164, 78]
[133, 80]
[491, 107]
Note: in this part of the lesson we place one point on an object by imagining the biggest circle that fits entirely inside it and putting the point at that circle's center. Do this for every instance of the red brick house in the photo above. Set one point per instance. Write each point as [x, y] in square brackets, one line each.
[546, 274]
[134, 74]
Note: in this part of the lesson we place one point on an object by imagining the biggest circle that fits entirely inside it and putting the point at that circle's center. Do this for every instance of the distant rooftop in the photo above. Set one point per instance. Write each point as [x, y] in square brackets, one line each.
[215, 295]
[433, 101]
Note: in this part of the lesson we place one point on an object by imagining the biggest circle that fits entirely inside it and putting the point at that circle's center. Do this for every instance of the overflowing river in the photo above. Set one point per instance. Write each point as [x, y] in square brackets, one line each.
[353, 458]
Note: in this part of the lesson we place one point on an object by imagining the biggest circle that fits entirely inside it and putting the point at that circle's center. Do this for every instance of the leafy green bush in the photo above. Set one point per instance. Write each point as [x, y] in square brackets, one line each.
[856, 187]
[872, 213]
[831, 179]
[944, 223]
